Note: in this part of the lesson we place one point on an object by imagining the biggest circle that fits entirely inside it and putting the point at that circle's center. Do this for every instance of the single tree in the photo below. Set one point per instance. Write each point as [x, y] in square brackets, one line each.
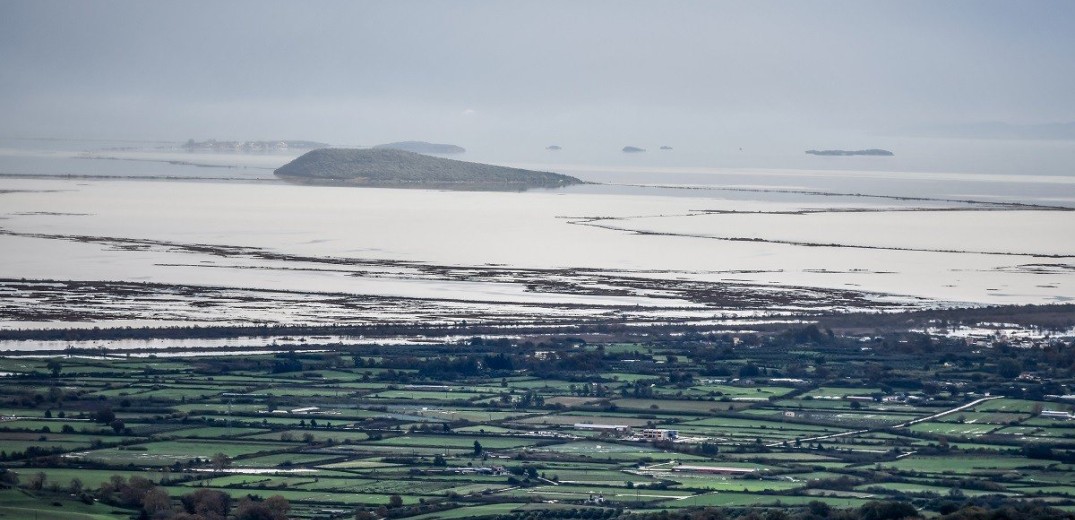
[54, 366]
[156, 503]
[275, 507]
[220, 461]
[104, 415]
[208, 503]
[37, 481]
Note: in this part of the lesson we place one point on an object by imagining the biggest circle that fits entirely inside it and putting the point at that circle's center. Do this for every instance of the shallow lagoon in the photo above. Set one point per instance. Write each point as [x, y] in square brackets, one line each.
[643, 242]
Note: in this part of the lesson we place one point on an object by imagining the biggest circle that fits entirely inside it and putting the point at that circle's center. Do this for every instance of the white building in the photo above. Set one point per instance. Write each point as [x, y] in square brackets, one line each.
[1057, 414]
[659, 434]
[617, 428]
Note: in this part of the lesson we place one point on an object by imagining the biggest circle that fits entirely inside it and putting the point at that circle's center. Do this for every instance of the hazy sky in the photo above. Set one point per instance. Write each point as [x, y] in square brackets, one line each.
[544, 72]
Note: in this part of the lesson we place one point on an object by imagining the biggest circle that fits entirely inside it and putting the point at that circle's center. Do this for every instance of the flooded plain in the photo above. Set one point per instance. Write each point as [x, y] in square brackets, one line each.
[145, 237]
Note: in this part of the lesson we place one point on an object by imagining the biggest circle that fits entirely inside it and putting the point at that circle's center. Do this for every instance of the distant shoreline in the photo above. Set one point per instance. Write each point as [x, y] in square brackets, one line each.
[844, 153]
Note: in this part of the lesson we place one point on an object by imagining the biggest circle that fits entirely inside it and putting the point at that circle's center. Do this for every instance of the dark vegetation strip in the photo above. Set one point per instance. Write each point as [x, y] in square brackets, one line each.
[1014, 205]
[591, 223]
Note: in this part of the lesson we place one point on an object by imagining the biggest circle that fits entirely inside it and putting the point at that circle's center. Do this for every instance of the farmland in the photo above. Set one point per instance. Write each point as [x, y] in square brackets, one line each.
[545, 427]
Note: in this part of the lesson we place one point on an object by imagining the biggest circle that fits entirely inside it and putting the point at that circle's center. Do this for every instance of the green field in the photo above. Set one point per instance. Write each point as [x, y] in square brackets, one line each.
[471, 429]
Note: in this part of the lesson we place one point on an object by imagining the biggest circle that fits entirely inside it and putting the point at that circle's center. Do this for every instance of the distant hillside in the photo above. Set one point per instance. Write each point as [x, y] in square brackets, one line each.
[1000, 130]
[633, 149]
[872, 151]
[250, 146]
[387, 168]
[423, 147]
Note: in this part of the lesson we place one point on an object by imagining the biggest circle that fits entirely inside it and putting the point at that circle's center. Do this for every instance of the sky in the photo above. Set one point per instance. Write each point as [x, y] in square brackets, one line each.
[524, 74]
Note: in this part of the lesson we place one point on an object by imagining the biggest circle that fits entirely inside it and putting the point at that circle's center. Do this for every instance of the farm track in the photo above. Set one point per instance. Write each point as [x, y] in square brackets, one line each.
[901, 425]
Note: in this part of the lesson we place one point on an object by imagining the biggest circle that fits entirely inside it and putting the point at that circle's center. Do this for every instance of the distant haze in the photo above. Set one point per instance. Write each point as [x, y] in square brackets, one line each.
[504, 79]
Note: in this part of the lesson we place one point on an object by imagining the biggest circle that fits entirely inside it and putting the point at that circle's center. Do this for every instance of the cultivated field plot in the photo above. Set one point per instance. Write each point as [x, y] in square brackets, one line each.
[955, 429]
[971, 465]
[167, 453]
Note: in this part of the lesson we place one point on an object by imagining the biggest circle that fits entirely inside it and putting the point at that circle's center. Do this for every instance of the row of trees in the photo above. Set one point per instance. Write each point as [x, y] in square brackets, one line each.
[154, 502]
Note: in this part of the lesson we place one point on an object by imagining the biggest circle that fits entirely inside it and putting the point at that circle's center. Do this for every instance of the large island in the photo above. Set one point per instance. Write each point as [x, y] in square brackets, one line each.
[387, 168]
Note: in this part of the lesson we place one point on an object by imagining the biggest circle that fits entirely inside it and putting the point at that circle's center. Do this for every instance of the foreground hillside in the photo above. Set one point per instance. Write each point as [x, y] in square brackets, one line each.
[646, 424]
[400, 169]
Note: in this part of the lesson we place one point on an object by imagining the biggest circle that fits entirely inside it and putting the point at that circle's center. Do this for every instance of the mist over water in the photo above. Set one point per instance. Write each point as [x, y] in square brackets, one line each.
[723, 215]
[747, 84]
[1016, 171]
